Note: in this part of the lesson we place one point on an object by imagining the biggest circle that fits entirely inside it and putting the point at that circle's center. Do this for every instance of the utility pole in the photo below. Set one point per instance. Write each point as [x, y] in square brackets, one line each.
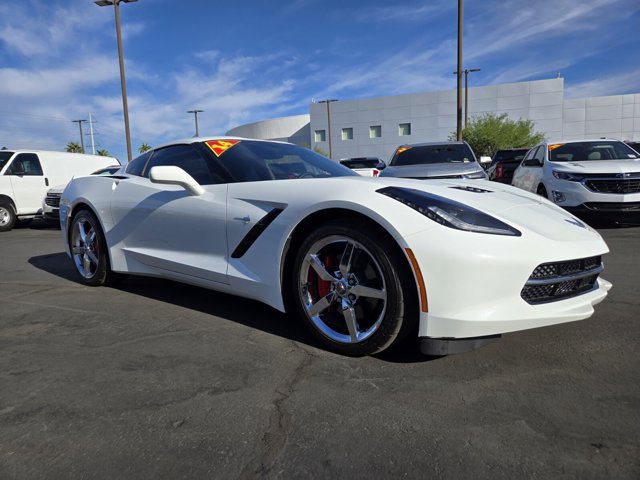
[79, 122]
[195, 114]
[123, 83]
[329, 121]
[93, 143]
[459, 71]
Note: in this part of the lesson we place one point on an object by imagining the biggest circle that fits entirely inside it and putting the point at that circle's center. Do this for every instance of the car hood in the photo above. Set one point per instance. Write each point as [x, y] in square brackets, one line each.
[520, 209]
[432, 170]
[600, 166]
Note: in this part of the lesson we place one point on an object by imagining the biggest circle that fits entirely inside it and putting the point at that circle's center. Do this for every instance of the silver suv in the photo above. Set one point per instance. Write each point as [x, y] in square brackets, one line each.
[434, 160]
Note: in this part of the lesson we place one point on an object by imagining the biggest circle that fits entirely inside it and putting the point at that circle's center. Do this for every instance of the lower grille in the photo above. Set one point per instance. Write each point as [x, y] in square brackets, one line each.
[614, 206]
[554, 281]
[53, 200]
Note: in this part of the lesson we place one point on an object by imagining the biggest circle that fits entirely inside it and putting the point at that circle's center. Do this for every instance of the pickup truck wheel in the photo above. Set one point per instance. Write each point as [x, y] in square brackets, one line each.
[7, 216]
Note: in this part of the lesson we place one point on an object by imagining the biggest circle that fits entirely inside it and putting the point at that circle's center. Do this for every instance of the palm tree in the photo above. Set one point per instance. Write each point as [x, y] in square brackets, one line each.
[103, 152]
[144, 147]
[73, 147]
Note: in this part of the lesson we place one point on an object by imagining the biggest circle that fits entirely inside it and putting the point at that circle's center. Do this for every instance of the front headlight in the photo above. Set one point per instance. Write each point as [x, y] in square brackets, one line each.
[449, 213]
[574, 177]
[475, 175]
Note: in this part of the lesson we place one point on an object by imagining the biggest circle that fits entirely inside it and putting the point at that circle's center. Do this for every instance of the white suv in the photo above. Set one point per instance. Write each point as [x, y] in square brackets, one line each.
[583, 175]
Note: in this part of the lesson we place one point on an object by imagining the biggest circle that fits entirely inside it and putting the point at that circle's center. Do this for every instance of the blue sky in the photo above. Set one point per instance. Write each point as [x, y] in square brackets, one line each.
[257, 59]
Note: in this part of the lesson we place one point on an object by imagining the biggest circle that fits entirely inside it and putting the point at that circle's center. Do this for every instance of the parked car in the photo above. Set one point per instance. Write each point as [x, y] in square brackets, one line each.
[363, 262]
[600, 175]
[634, 145]
[51, 201]
[434, 160]
[503, 164]
[26, 175]
[366, 166]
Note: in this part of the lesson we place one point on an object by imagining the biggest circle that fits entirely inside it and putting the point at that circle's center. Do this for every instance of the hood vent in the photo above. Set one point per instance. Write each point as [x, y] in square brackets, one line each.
[472, 189]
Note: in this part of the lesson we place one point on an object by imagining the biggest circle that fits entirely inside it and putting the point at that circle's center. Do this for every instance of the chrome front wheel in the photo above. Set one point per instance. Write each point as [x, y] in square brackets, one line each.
[347, 287]
[343, 290]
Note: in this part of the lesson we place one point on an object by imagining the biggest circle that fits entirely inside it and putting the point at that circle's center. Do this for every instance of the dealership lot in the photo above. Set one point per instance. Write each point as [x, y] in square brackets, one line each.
[157, 379]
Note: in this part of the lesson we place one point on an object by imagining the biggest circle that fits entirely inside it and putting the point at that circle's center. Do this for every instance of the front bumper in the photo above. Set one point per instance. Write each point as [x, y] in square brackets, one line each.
[474, 281]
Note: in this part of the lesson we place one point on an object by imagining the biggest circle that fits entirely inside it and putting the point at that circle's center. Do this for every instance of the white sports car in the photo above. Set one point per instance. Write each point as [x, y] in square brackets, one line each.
[362, 261]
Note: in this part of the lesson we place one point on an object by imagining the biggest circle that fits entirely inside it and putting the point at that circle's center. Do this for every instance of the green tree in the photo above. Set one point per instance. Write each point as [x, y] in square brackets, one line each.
[144, 148]
[321, 152]
[73, 147]
[490, 132]
[103, 152]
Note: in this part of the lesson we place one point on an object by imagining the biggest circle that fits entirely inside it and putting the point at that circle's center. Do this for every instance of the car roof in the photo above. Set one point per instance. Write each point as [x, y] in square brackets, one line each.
[190, 140]
[428, 144]
[551, 142]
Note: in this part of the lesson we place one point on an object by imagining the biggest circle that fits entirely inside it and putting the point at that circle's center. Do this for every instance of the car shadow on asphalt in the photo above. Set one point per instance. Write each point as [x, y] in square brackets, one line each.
[250, 313]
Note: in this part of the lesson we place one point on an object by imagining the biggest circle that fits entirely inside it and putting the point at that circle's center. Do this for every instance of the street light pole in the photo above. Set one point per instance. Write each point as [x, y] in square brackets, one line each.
[329, 121]
[79, 122]
[466, 93]
[195, 114]
[459, 71]
[123, 83]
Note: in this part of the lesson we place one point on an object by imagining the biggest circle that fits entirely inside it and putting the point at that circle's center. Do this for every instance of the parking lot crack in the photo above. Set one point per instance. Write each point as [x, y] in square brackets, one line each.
[275, 438]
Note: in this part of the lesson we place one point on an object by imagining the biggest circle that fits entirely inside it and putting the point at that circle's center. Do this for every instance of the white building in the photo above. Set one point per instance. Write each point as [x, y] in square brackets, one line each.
[376, 126]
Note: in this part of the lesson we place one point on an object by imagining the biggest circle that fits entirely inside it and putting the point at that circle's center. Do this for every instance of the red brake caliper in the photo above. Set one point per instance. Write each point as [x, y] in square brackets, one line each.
[323, 286]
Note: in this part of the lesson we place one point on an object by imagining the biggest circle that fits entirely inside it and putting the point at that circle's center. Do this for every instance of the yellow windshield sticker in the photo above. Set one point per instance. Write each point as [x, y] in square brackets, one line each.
[402, 149]
[220, 146]
[553, 146]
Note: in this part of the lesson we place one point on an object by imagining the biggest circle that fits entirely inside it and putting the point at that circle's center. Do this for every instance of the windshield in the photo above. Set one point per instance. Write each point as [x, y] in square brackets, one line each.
[5, 155]
[360, 162]
[249, 161]
[588, 151]
[427, 154]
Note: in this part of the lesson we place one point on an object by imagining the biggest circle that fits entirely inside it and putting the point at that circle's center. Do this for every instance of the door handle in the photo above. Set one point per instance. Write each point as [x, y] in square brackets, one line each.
[244, 219]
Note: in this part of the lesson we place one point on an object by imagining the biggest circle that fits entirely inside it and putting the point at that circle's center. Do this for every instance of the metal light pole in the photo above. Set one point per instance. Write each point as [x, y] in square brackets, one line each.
[329, 121]
[79, 122]
[466, 93]
[459, 71]
[195, 114]
[123, 83]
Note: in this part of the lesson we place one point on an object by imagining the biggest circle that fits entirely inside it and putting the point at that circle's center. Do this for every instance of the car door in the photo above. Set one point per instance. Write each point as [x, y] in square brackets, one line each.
[528, 174]
[168, 228]
[27, 182]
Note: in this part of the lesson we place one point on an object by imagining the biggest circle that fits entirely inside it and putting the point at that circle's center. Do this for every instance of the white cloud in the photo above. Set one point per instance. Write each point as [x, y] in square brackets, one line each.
[628, 82]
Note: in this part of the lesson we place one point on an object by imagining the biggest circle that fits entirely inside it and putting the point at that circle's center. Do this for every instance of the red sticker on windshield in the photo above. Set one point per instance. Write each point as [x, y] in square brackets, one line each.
[220, 146]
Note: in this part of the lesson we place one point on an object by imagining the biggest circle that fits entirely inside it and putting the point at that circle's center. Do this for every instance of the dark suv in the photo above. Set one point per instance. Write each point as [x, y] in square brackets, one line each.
[504, 163]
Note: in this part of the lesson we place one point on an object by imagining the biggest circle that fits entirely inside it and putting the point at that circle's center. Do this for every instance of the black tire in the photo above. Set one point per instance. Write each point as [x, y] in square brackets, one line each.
[542, 191]
[351, 286]
[7, 216]
[89, 252]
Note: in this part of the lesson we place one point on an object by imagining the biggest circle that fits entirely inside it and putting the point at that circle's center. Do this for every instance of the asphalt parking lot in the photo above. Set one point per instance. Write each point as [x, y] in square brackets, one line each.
[154, 379]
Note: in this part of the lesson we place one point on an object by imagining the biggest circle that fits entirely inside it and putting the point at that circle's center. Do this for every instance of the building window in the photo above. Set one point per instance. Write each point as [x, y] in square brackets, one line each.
[347, 133]
[320, 136]
[375, 131]
[404, 129]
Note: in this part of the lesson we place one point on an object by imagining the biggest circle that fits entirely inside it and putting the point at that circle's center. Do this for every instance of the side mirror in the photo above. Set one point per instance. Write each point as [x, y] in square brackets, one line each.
[484, 159]
[171, 175]
[381, 165]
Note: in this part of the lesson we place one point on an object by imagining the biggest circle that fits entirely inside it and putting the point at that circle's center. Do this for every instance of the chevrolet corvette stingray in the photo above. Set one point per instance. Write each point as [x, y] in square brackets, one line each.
[363, 262]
